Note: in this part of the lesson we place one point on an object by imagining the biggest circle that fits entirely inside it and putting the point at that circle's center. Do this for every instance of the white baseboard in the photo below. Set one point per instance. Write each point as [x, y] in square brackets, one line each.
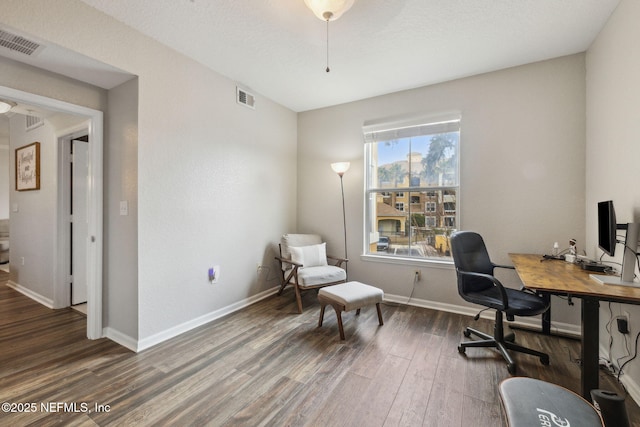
[120, 338]
[528, 322]
[47, 302]
[155, 339]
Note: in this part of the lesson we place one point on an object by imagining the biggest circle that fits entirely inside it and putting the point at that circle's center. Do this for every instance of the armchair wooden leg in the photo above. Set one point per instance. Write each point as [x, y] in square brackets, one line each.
[298, 298]
[379, 314]
[282, 286]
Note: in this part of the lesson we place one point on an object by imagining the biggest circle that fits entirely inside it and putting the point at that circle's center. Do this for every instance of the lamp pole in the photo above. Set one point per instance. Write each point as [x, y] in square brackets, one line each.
[340, 168]
[344, 218]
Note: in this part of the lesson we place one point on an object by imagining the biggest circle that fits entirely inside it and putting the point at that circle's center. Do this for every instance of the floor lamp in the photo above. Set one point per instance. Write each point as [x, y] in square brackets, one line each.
[340, 168]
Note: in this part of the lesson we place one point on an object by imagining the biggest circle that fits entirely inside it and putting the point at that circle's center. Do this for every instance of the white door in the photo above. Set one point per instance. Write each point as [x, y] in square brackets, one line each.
[79, 220]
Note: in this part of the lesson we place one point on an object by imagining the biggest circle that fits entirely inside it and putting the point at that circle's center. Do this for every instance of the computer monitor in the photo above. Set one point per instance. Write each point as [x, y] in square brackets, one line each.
[607, 240]
[607, 227]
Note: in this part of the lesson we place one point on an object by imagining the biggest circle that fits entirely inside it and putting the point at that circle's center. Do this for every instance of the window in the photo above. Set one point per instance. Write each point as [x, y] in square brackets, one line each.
[412, 186]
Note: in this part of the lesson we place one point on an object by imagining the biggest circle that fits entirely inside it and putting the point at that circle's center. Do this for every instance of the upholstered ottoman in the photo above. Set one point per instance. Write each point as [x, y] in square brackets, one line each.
[530, 402]
[349, 296]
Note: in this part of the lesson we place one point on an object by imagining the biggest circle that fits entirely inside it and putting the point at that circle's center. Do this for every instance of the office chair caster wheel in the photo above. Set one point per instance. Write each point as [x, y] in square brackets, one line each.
[544, 360]
[511, 368]
[467, 333]
[461, 349]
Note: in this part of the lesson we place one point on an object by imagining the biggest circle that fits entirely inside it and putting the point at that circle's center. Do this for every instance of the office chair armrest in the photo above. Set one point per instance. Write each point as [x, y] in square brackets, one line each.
[496, 282]
[522, 288]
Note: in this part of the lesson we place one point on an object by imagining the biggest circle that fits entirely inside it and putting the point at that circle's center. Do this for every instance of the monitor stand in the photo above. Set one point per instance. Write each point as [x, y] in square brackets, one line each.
[629, 259]
[612, 280]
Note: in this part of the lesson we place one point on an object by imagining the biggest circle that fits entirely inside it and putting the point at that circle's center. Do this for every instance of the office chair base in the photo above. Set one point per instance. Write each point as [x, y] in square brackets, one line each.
[509, 337]
[502, 345]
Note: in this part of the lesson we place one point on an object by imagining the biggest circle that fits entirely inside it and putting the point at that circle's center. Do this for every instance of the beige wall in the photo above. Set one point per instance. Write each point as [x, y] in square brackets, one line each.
[32, 226]
[121, 232]
[613, 152]
[200, 156]
[4, 169]
[522, 169]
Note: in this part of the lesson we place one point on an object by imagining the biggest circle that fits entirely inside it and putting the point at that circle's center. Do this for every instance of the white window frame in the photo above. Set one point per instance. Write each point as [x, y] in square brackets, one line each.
[387, 130]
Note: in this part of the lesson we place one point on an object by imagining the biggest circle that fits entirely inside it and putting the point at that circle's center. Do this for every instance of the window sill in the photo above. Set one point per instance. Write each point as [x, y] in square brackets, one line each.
[425, 263]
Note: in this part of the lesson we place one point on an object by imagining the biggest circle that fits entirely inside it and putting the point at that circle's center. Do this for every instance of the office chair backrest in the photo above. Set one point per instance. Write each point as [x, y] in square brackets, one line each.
[470, 254]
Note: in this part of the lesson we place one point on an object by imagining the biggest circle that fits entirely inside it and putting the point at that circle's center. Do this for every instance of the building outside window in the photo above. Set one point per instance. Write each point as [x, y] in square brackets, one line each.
[412, 186]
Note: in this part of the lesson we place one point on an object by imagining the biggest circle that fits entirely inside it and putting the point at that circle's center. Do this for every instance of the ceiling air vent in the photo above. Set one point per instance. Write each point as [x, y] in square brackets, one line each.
[16, 43]
[34, 122]
[245, 98]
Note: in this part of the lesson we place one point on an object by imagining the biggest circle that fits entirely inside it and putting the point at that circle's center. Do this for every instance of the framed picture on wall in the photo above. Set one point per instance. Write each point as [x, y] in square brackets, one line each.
[28, 167]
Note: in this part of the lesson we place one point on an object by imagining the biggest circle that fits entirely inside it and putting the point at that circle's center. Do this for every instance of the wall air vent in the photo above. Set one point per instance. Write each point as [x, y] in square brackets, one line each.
[245, 98]
[16, 43]
[34, 122]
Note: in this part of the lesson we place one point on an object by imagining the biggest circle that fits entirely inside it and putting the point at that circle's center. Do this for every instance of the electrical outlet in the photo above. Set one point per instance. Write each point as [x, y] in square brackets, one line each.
[628, 317]
[623, 323]
[417, 276]
[214, 274]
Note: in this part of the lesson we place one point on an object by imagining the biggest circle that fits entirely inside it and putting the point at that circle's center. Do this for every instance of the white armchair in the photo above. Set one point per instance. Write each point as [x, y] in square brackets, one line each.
[305, 264]
[4, 241]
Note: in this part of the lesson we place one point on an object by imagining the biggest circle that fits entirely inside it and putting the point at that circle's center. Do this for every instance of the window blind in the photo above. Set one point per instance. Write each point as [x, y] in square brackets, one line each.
[386, 130]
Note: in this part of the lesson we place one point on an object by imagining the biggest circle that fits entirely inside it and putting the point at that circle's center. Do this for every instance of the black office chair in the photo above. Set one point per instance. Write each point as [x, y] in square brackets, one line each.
[477, 284]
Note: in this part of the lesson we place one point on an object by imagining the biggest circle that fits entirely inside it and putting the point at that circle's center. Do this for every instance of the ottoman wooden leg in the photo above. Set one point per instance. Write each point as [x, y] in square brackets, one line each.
[338, 310]
[379, 314]
[321, 314]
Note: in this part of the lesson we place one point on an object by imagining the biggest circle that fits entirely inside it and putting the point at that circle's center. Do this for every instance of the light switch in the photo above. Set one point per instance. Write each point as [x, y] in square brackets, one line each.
[124, 207]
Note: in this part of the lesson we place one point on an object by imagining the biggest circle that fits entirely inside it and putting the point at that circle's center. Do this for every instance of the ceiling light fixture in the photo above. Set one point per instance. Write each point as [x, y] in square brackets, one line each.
[6, 106]
[329, 10]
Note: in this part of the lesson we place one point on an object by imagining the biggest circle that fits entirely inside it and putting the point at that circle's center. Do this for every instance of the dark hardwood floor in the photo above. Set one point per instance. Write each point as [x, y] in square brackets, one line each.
[265, 365]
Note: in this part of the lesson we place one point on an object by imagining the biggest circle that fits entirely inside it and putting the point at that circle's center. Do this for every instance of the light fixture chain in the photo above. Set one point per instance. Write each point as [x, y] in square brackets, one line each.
[327, 70]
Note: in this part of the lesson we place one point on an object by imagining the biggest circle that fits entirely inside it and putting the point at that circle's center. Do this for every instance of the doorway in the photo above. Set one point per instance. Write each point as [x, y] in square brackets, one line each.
[76, 166]
[94, 210]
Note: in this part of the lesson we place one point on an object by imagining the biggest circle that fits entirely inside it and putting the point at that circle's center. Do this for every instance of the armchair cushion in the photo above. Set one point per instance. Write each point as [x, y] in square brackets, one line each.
[309, 256]
[313, 276]
[296, 240]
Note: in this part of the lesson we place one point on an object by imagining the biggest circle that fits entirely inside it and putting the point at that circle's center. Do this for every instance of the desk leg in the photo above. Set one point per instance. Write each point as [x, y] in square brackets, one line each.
[590, 350]
[546, 316]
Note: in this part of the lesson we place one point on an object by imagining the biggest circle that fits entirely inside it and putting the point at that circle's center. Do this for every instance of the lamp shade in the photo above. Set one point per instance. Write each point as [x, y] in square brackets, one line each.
[329, 10]
[340, 168]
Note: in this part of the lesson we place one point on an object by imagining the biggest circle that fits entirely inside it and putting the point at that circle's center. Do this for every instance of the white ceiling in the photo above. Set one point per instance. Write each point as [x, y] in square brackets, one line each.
[277, 48]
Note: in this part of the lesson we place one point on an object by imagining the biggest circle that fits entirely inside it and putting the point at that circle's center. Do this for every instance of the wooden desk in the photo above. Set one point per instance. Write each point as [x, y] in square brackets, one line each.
[554, 277]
